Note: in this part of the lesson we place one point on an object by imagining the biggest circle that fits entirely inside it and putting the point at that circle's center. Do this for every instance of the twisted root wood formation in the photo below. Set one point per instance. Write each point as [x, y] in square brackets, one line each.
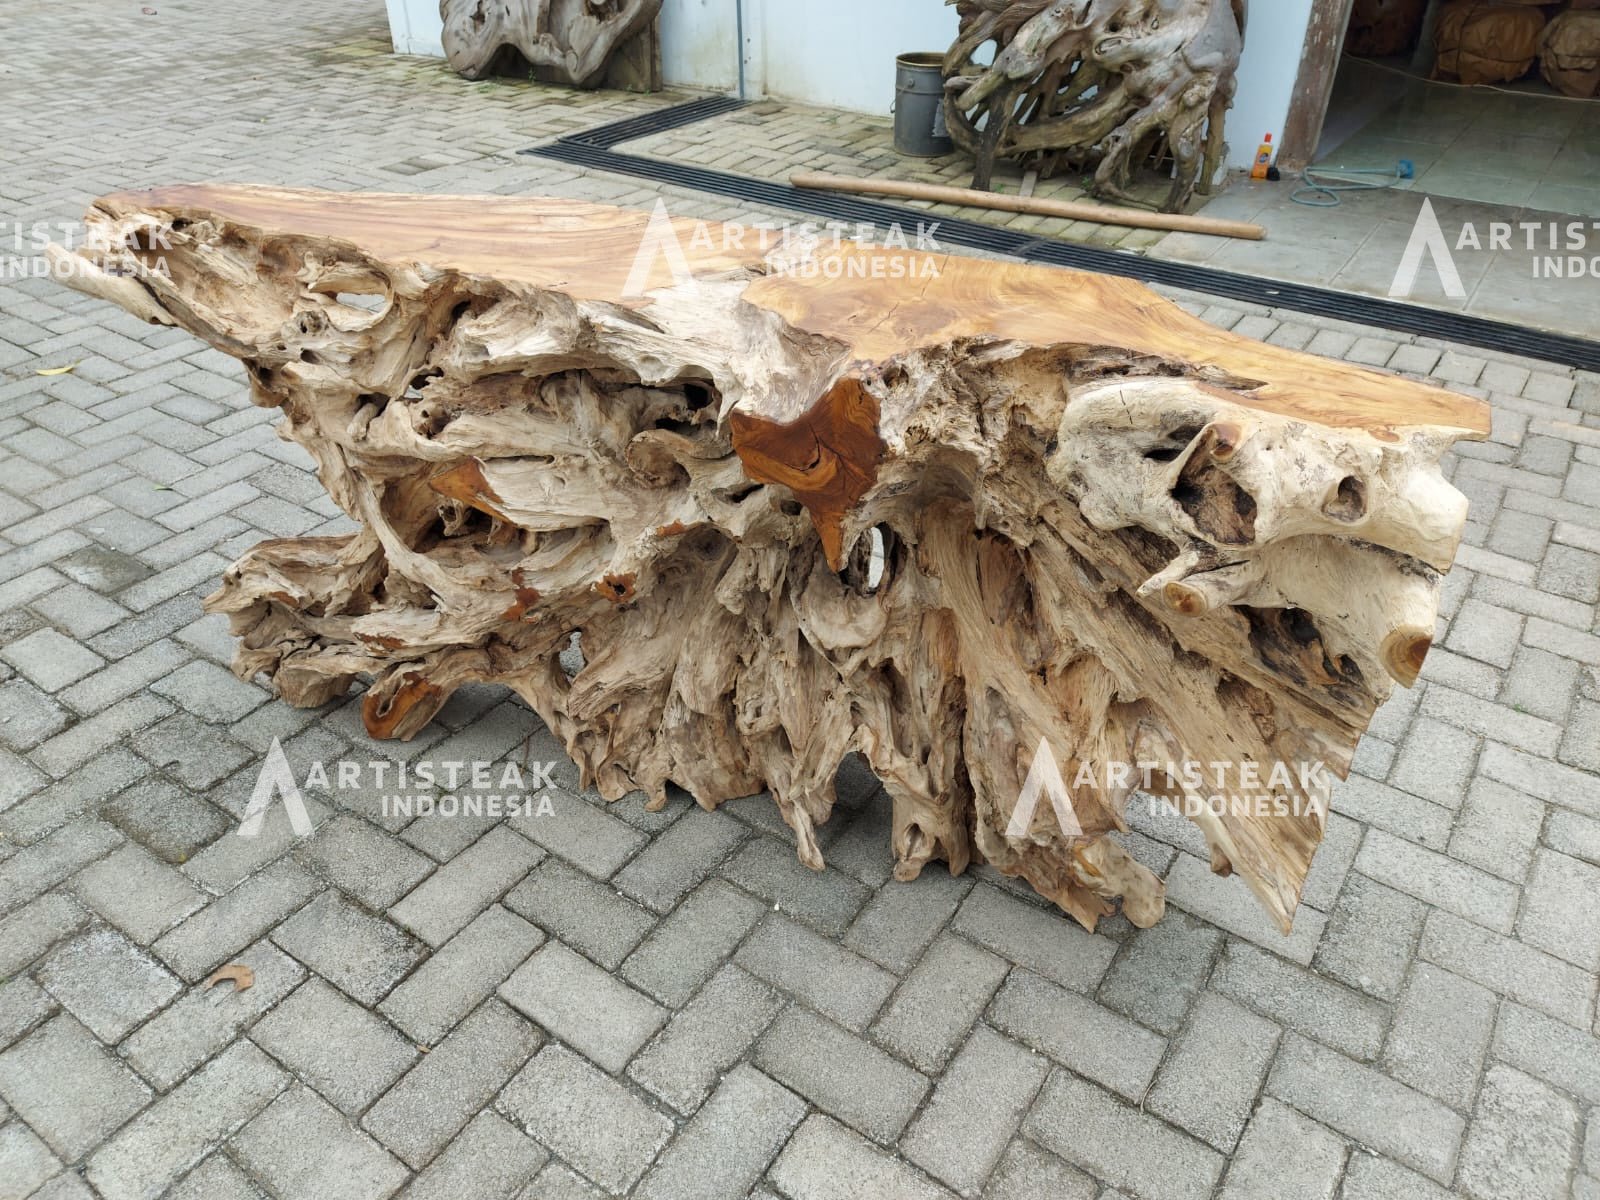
[1099, 523]
[565, 41]
[1070, 84]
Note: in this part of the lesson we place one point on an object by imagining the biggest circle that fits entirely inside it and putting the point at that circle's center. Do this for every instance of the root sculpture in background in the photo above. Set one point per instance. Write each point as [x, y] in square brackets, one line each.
[1075, 84]
[939, 511]
[565, 41]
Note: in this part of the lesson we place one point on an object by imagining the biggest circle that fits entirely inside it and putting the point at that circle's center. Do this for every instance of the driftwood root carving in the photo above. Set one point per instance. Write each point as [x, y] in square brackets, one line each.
[791, 517]
[1102, 83]
[569, 41]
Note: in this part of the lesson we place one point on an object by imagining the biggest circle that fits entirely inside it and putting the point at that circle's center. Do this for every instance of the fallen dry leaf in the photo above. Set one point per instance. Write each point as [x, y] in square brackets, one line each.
[238, 974]
[70, 367]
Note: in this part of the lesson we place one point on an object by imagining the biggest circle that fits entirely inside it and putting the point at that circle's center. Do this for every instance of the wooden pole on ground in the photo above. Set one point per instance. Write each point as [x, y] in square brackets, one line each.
[1069, 210]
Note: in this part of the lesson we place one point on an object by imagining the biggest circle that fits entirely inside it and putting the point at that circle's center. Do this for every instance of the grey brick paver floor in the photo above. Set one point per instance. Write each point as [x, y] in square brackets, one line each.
[606, 1001]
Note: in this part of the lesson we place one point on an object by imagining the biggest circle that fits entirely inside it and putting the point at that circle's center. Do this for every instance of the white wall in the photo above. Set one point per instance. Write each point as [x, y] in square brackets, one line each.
[416, 27]
[1273, 40]
[700, 43]
[840, 53]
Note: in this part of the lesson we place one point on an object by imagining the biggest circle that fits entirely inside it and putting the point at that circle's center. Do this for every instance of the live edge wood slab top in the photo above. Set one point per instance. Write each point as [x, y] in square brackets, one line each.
[588, 250]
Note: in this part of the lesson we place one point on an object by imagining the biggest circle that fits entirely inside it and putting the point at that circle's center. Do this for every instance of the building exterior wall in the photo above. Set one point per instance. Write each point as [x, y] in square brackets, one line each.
[840, 53]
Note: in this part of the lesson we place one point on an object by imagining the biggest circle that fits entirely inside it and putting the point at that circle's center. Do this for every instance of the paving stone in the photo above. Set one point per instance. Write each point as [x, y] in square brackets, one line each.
[934, 1008]
[27, 715]
[824, 1160]
[31, 930]
[1367, 1106]
[177, 1131]
[1370, 936]
[678, 859]
[708, 1037]
[1369, 1177]
[1284, 1156]
[587, 915]
[1047, 943]
[1209, 1081]
[726, 1148]
[593, 841]
[1522, 1141]
[50, 659]
[560, 1182]
[362, 861]
[99, 735]
[1229, 904]
[1027, 1172]
[460, 974]
[229, 923]
[204, 1020]
[1079, 1034]
[448, 900]
[1508, 968]
[194, 753]
[25, 1161]
[1299, 999]
[23, 1005]
[1497, 830]
[137, 893]
[826, 901]
[68, 1088]
[587, 1118]
[841, 1074]
[107, 982]
[688, 945]
[419, 1116]
[1558, 915]
[362, 955]
[1437, 880]
[1441, 1032]
[1382, 807]
[35, 868]
[1573, 835]
[346, 1053]
[837, 983]
[1160, 971]
[898, 922]
[1087, 1125]
[169, 821]
[304, 1149]
[1550, 1050]
[974, 1111]
[490, 1160]
[584, 1006]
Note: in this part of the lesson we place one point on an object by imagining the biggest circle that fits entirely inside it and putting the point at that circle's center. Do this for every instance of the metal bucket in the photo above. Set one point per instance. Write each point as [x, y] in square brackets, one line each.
[919, 128]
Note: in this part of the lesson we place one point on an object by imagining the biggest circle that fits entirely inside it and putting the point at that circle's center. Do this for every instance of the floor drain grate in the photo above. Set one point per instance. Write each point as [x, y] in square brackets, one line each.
[594, 149]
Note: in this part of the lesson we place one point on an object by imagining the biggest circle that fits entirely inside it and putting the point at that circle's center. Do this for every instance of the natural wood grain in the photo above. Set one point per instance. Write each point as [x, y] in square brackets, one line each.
[938, 518]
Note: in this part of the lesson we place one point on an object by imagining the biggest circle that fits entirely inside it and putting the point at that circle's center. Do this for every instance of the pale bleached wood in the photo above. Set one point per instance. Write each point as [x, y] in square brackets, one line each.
[934, 518]
[565, 41]
[1073, 84]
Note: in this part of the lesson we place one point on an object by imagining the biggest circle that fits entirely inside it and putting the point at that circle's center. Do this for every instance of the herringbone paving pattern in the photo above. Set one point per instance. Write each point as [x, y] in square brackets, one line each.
[606, 1001]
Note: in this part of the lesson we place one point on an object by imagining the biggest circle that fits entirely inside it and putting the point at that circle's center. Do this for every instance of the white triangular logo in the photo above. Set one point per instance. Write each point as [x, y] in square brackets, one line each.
[276, 779]
[1427, 237]
[1044, 776]
[660, 238]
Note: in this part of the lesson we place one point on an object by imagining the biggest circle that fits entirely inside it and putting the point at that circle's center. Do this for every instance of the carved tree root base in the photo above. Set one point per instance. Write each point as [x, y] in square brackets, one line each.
[564, 41]
[1103, 524]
